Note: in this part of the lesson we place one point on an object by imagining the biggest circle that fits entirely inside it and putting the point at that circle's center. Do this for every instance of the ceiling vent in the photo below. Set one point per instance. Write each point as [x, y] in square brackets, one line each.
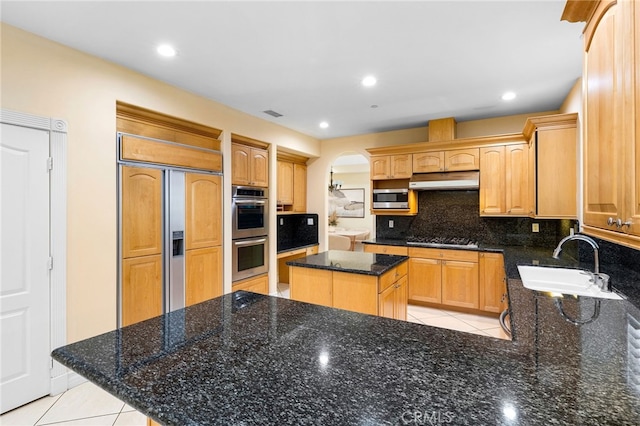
[272, 113]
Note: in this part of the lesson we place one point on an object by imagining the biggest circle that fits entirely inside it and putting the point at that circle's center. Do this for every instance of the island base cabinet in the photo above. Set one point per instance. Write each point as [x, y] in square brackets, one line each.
[355, 292]
[392, 302]
[311, 285]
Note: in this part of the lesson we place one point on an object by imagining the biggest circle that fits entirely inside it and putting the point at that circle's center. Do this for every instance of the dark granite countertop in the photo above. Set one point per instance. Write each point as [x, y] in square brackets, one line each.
[350, 261]
[251, 359]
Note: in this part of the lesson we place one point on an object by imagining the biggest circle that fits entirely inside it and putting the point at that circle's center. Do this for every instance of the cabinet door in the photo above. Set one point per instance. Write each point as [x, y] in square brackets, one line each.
[460, 284]
[517, 179]
[141, 288]
[259, 167]
[492, 185]
[240, 164]
[633, 177]
[380, 167]
[285, 183]
[401, 166]
[203, 210]
[387, 302]
[141, 211]
[203, 274]
[299, 188]
[556, 173]
[425, 280]
[382, 249]
[255, 285]
[602, 150]
[428, 162]
[401, 299]
[462, 159]
[493, 288]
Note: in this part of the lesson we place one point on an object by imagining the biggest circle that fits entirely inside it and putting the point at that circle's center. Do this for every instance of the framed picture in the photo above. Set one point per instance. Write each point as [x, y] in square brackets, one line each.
[347, 202]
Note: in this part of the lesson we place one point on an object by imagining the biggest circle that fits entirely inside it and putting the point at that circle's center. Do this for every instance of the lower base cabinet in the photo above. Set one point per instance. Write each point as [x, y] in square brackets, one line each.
[259, 284]
[493, 283]
[385, 295]
[141, 288]
[203, 274]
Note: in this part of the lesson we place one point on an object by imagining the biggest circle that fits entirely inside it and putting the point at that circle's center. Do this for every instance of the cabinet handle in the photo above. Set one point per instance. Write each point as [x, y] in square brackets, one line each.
[610, 221]
[444, 262]
[620, 223]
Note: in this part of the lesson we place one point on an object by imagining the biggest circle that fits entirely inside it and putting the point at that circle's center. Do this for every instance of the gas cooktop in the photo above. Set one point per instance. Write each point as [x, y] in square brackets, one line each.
[451, 242]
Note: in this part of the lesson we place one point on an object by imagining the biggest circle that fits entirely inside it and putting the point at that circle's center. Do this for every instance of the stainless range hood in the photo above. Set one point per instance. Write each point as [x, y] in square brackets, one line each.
[445, 181]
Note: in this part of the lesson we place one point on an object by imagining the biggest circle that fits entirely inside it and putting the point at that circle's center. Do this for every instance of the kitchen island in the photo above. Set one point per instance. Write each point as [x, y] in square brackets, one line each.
[368, 283]
[251, 359]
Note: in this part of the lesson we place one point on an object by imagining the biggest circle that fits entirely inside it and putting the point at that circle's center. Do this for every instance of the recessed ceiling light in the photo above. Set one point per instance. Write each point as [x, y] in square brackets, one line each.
[166, 50]
[324, 125]
[508, 96]
[369, 81]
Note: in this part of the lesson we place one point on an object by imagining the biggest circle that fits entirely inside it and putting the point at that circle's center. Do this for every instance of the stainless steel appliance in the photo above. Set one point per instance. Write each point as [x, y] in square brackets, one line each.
[391, 198]
[249, 257]
[445, 181]
[442, 242]
[249, 212]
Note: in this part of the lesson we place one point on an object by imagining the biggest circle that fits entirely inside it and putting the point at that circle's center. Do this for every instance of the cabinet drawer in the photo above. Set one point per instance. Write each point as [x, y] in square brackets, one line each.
[382, 249]
[443, 254]
[392, 276]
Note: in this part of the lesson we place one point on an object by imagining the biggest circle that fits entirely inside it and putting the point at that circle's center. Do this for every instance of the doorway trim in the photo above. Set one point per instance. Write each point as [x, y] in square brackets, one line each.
[57, 129]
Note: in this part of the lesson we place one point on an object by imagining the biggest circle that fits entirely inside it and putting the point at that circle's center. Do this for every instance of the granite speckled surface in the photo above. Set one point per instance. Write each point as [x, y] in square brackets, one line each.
[350, 261]
[251, 359]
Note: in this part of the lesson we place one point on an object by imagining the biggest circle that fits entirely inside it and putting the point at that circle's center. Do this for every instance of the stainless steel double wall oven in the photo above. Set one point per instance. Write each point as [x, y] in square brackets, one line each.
[249, 232]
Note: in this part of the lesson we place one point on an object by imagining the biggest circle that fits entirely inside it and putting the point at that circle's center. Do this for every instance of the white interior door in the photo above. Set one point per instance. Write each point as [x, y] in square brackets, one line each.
[24, 270]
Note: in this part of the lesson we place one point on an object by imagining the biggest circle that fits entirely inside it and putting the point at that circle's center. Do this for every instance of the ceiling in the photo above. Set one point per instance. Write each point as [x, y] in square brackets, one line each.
[305, 59]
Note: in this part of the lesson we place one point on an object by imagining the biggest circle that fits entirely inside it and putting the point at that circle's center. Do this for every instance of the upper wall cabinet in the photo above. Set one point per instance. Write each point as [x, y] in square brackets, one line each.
[553, 159]
[249, 165]
[504, 180]
[446, 161]
[391, 167]
[611, 118]
[292, 183]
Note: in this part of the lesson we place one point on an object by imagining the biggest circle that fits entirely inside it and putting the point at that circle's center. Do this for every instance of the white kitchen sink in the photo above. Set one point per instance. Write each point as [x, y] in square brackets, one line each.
[562, 280]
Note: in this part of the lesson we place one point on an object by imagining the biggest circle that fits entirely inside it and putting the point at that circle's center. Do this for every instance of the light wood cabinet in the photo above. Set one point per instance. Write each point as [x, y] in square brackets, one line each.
[493, 283]
[142, 288]
[383, 249]
[553, 164]
[284, 257]
[203, 212]
[249, 165]
[285, 182]
[448, 277]
[259, 284]
[446, 161]
[292, 187]
[504, 180]
[203, 275]
[611, 123]
[385, 295]
[141, 197]
[391, 167]
[299, 188]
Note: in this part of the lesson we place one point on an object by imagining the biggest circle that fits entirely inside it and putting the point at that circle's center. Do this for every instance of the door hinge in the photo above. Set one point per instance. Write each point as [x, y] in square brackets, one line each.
[50, 163]
[51, 359]
[50, 263]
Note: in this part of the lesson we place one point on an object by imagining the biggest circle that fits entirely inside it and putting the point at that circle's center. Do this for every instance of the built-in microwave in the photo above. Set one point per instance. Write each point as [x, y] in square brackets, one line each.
[250, 257]
[397, 198]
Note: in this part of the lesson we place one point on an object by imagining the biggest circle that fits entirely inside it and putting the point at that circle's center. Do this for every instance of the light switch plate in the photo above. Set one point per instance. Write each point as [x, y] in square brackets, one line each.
[281, 221]
[391, 224]
[309, 221]
[535, 227]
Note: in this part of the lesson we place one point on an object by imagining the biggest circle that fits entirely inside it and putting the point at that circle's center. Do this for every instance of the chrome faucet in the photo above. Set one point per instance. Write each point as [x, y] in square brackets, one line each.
[601, 279]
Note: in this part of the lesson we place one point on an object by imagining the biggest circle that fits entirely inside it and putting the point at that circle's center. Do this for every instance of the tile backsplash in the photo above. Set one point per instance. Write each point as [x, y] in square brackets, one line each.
[456, 214]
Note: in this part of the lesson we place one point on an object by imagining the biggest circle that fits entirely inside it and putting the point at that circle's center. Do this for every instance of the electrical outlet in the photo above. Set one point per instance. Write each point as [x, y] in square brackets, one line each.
[535, 262]
[281, 221]
[310, 221]
[535, 227]
[391, 224]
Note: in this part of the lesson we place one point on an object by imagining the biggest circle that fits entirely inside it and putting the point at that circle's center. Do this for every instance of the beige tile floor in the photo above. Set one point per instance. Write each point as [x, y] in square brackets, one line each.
[84, 405]
[88, 405]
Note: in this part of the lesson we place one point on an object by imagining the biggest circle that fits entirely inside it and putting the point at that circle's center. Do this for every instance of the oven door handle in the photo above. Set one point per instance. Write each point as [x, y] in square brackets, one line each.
[246, 243]
[249, 201]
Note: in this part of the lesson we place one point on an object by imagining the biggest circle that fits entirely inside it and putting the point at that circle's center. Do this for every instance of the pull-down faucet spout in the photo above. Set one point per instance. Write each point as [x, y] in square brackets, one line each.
[601, 279]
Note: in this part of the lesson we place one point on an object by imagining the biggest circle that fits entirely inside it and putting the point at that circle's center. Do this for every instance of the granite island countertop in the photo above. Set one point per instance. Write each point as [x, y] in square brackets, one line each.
[350, 261]
[251, 359]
